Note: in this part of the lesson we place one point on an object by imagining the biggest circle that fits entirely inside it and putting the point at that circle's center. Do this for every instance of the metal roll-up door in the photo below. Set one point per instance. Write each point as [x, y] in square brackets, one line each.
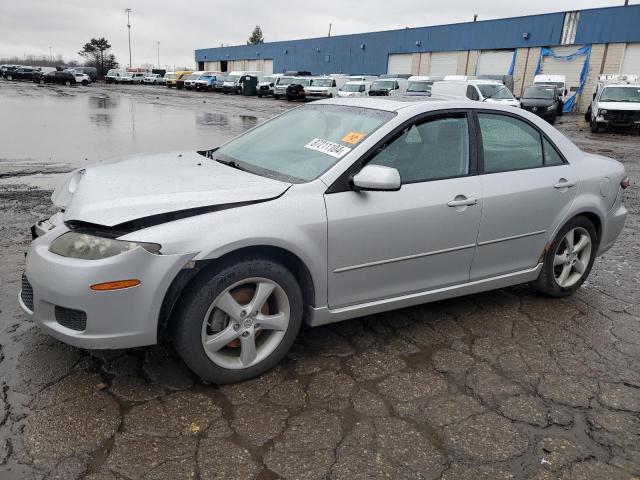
[268, 66]
[570, 69]
[631, 60]
[399, 63]
[252, 65]
[443, 63]
[495, 62]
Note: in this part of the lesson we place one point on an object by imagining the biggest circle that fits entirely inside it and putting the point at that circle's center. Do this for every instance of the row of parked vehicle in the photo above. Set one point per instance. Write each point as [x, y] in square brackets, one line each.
[42, 75]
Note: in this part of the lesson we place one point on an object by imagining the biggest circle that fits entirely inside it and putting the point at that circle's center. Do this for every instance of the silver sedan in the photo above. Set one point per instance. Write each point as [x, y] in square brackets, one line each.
[337, 209]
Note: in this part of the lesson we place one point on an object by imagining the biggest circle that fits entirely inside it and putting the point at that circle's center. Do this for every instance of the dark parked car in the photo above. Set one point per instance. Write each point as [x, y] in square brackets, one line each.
[61, 78]
[22, 73]
[543, 100]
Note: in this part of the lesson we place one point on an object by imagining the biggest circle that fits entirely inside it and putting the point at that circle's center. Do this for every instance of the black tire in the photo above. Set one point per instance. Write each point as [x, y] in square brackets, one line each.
[192, 308]
[587, 115]
[42, 81]
[67, 83]
[595, 127]
[277, 97]
[546, 282]
[9, 77]
[259, 95]
[85, 83]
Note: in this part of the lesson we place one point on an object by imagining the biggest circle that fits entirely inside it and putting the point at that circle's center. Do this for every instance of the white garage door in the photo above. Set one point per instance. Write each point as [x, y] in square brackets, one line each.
[494, 62]
[399, 63]
[443, 63]
[268, 66]
[631, 62]
[570, 69]
[252, 65]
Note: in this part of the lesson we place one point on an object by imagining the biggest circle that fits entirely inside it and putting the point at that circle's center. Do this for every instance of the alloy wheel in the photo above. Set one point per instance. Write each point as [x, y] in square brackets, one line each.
[572, 257]
[245, 323]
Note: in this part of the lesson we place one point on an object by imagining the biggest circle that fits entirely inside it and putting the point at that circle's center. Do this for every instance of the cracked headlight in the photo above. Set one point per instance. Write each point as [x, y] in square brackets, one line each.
[90, 247]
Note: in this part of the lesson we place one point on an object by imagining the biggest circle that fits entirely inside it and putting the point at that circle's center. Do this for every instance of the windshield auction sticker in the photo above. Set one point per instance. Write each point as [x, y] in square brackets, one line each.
[325, 146]
[352, 138]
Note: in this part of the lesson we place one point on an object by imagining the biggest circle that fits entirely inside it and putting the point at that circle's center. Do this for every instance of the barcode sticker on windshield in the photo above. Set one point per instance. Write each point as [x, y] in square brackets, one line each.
[325, 146]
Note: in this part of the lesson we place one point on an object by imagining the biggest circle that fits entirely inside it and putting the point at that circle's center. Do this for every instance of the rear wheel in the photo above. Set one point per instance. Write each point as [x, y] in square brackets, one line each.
[568, 261]
[239, 321]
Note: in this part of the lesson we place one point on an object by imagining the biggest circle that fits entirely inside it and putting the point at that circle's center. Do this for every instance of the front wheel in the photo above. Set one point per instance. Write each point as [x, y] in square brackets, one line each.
[9, 77]
[595, 128]
[85, 83]
[239, 321]
[568, 261]
[67, 83]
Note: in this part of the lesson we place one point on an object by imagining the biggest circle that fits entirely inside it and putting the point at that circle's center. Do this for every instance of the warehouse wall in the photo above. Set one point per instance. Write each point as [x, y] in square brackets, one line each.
[367, 53]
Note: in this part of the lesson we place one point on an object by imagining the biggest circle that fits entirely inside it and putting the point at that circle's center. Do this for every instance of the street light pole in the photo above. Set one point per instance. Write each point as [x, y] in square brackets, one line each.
[128, 10]
[50, 53]
[158, 53]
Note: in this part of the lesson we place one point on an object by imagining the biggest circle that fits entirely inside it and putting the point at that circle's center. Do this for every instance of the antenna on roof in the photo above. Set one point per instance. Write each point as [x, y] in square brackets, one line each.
[475, 16]
[329, 31]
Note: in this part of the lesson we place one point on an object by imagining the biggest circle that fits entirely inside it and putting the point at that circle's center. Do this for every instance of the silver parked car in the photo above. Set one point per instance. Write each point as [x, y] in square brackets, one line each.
[360, 206]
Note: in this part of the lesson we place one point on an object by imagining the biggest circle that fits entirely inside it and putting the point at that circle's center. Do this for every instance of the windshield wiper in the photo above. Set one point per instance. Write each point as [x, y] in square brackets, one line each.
[232, 164]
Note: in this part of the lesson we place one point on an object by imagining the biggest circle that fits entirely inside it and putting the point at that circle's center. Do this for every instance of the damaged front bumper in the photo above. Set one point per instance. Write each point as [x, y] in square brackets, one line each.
[56, 293]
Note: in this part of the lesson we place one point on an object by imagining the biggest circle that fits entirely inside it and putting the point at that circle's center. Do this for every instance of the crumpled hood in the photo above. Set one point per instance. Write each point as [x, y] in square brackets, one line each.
[154, 184]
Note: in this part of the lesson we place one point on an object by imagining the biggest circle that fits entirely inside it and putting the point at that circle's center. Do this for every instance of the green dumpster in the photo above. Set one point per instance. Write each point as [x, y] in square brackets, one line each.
[249, 85]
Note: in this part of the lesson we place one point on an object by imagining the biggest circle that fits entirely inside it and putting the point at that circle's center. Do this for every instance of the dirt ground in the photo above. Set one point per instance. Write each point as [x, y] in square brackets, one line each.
[501, 385]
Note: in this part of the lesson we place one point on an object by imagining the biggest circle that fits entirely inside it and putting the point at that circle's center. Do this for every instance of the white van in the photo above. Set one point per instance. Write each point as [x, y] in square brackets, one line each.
[113, 75]
[324, 87]
[362, 78]
[388, 87]
[478, 90]
[354, 89]
[559, 81]
[420, 86]
[233, 81]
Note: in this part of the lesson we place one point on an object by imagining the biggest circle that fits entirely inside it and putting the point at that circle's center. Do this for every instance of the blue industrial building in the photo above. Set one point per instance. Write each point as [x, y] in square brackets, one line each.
[367, 53]
[520, 46]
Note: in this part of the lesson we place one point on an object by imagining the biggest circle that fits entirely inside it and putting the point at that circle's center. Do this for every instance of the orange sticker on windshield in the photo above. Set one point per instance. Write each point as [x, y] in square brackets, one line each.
[352, 137]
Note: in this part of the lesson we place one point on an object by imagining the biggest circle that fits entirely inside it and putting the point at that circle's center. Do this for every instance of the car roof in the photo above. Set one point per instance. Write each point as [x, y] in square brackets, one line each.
[416, 104]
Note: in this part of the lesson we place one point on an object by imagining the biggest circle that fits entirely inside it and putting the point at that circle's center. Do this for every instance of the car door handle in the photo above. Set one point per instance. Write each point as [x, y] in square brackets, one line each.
[462, 201]
[563, 183]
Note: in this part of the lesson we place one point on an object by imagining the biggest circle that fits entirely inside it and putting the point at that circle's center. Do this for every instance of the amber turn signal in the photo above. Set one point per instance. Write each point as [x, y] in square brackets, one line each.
[117, 285]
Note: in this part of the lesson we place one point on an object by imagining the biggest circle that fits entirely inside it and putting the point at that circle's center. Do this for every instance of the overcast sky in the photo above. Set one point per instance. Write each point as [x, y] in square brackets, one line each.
[31, 26]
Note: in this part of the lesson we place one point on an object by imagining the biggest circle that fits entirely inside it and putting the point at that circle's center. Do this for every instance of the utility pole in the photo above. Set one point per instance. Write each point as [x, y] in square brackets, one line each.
[329, 30]
[158, 53]
[128, 11]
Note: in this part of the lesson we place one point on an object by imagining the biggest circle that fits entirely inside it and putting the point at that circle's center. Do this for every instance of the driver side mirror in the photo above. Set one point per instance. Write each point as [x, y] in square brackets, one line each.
[377, 178]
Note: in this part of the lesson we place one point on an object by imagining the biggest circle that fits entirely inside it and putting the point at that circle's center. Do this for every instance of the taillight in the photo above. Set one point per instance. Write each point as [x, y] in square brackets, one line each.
[625, 183]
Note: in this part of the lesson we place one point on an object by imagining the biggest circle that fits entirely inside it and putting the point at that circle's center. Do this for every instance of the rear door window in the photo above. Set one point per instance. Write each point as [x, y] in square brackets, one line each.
[509, 143]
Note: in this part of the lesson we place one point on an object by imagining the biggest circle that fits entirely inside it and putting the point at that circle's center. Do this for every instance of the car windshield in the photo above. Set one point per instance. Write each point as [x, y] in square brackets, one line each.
[542, 93]
[323, 82]
[206, 75]
[317, 136]
[495, 91]
[383, 85]
[286, 80]
[419, 87]
[268, 80]
[232, 78]
[170, 76]
[351, 87]
[620, 94]
[193, 77]
[303, 81]
[127, 75]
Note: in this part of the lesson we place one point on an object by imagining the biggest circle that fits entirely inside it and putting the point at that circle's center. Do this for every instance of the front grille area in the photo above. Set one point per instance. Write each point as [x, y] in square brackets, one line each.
[27, 293]
[622, 117]
[70, 318]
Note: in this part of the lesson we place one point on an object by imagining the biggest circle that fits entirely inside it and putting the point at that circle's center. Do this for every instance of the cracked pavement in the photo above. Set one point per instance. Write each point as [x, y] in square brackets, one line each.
[501, 385]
